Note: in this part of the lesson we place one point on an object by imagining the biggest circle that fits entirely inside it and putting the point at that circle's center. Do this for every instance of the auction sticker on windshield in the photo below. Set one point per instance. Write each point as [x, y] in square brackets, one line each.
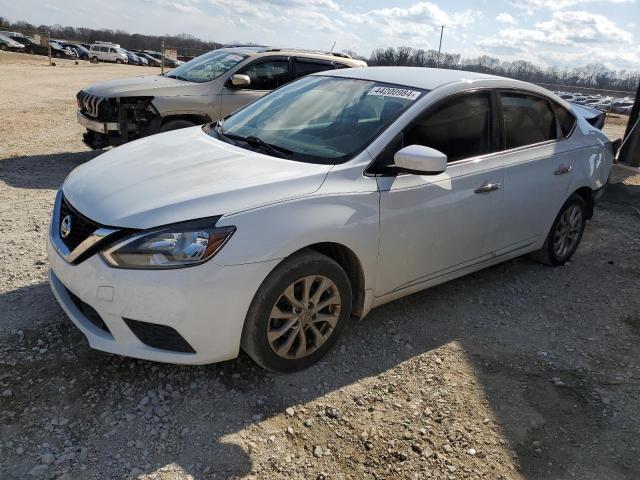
[394, 92]
[235, 58]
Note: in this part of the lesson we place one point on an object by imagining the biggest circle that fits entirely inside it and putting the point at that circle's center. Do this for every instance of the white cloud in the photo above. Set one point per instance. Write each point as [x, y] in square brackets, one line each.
[505, 17]
[532, 5]
[414, 25]
[568, 37]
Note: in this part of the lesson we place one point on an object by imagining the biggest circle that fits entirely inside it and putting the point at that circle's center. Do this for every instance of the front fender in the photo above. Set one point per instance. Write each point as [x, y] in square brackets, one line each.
[278, 230]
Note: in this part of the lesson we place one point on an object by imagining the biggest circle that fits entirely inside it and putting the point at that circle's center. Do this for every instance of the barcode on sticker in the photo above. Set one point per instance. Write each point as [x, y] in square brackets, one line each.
[235, 58]
[394, 92]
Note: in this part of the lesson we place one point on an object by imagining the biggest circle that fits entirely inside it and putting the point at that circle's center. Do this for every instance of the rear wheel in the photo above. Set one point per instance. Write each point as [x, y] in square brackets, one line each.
[3, 47]
[298, 313]
[566, 233]
[175, 125]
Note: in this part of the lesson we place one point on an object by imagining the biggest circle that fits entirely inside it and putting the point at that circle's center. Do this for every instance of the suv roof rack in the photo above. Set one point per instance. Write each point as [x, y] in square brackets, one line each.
[303, 50]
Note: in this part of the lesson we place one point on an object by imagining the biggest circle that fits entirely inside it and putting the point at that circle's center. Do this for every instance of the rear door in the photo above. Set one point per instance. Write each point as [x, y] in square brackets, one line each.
[266, 74]
[538, 166]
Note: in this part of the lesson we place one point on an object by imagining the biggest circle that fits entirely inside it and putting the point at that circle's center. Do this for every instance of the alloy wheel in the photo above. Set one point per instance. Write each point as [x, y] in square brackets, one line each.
[567, 233]
[304, 317]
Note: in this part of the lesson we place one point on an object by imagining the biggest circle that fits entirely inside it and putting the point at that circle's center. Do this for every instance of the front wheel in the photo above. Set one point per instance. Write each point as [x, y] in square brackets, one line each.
[118, 60]
[3, 47]
[566, 233]
[298, 313]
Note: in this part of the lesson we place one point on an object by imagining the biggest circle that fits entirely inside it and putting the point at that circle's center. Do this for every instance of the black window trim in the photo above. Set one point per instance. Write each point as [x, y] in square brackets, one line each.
[496, 129]
[318, 61]
[258, 61]
[496, 116]
[530, 93]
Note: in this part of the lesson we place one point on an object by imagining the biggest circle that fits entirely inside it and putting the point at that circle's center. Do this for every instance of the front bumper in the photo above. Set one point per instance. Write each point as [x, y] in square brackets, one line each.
[96, 126]
[206, 305]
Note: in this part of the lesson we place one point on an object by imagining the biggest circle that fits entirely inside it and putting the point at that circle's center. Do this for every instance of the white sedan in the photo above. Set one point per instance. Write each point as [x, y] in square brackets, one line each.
[326, 198]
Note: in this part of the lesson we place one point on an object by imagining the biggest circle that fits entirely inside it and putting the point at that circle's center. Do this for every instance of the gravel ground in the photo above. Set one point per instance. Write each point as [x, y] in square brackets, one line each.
[519, 371]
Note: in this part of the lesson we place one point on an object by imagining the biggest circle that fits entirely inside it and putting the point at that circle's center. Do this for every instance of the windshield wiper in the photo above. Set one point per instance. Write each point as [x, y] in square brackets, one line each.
[177, 77]
[258, 143]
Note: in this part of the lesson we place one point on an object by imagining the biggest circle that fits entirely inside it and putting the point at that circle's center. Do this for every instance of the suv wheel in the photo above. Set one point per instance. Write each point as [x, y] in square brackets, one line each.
[566, 233]
[298, 313]
[118, 60]
[3, 47]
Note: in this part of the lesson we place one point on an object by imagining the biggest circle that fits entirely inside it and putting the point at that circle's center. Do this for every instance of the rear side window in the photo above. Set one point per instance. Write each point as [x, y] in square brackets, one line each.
[460, 128]
[527, 120]
[307, 67]
[268, 75]
[564, 118]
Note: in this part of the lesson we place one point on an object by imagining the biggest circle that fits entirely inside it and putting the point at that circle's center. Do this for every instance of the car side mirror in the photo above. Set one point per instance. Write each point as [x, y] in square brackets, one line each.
[420, 160]
[240, 81]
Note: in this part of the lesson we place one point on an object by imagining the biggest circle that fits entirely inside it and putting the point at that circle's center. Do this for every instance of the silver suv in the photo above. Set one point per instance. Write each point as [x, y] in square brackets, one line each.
[206, 89]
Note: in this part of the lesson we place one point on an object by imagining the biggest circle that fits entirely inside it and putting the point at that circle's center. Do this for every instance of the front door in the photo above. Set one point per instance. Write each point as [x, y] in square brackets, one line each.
[433, 225]
[266, 74]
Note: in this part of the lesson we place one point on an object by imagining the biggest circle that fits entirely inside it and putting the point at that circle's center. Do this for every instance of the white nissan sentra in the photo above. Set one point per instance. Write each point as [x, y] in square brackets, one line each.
[324, 199]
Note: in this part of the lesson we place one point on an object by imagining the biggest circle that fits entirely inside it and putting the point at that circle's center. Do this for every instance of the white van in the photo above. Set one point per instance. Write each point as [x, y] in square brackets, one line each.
[107, 53]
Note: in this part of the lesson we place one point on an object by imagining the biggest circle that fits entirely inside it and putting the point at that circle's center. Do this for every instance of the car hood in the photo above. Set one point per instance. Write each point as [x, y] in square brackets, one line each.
[143, 86]
[183, 175]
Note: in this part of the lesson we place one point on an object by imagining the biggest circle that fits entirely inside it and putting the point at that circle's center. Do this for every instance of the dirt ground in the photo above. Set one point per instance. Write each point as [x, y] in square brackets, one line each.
[516, 372]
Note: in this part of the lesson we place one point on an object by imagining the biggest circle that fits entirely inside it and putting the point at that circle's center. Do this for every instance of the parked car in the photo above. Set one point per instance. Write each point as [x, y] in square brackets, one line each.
[60, 51]
[168, 62]
[625, 110]
[7, 43]
[207, 88]
[132, 58]
[80, 50]
[108, 52]
[152, 62]
[29, 45]
[620, 106]
[334, 194]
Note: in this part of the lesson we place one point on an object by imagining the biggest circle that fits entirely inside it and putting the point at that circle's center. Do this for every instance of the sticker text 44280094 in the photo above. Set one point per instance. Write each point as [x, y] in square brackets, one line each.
[395, 92]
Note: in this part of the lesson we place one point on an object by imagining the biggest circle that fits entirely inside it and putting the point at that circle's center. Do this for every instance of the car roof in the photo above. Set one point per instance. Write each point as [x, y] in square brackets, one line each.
[253, 51]
[421, 77]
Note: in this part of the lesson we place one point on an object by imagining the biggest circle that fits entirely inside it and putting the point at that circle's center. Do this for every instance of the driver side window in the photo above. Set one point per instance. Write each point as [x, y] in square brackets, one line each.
[459, 127]
[267, 75]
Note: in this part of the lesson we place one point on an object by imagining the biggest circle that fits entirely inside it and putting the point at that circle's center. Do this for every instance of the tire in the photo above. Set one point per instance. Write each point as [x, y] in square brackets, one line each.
[175, 125]
[569, 224]
[94, 59]
[3, 47]
[325, 281]
[118, 60]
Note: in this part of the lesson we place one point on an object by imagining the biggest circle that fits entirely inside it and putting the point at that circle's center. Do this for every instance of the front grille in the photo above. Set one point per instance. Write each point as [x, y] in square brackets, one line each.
[89, 104]
[159, 336]
[89, 312]
[81, 226]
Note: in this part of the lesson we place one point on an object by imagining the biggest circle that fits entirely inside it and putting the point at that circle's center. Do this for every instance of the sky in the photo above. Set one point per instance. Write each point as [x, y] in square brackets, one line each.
[570, 33]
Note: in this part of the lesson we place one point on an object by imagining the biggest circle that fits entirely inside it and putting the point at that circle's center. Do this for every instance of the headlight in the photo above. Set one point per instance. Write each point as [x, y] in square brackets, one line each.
[172, 246]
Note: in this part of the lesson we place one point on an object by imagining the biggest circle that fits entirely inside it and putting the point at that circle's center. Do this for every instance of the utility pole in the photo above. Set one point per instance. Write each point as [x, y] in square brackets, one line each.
[49, 46]
[334, 44]
[439, 47]
[162, 58]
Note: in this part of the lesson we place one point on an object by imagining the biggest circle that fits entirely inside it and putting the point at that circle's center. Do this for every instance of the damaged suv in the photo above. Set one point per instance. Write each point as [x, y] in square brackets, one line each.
[203, 90]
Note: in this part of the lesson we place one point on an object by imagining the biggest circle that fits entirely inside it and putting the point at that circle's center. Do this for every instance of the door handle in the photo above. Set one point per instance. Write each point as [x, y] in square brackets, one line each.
[488, 187]
[562, 170]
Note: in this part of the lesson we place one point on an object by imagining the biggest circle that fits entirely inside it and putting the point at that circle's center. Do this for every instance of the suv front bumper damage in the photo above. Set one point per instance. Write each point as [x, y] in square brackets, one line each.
[114, 121]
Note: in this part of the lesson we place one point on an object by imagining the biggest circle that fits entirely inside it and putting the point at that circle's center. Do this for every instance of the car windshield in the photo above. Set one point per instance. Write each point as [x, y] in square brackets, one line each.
[208, 67]
[319, 119]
